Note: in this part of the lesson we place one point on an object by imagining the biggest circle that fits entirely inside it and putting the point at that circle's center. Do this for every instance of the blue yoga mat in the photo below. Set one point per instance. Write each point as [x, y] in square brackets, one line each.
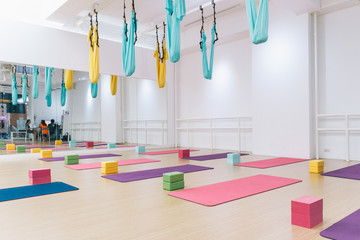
[8, 194]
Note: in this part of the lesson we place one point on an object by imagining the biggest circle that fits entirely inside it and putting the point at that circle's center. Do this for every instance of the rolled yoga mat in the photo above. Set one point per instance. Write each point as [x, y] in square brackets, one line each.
[163, 152]
[120, 163]
[218, 193]
[352, 172]
[154, 173]
[7, 194]
[81, 157]
[273, 162]
[211, 156]
[347, 228]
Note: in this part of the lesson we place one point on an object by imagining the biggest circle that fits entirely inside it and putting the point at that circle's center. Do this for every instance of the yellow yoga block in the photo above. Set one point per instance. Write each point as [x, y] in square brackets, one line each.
[316, 163]
[316, 169]
[112, 164]
[109, 170]
[46, 153]
[10, 146]
[58, 142]
[35, 150]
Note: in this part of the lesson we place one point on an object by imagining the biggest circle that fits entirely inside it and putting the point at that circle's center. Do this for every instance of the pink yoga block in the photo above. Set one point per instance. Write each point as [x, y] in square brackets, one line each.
[307, 205]
[35, 173]
[307, 221]
[89, 144]
[184, 153]
[40, 180]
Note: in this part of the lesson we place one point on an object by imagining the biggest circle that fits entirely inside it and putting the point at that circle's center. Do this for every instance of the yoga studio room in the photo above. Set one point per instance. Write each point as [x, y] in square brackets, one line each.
[180, 120]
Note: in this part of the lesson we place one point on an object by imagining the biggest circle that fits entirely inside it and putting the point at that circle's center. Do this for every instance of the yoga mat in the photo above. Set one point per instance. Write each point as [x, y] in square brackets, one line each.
[163, 152]
[273, 162]
[352, 172]
[153, 173]
[218, 193]
[8, 194]
[120, 163]
[211, 156]
[116, 147]
[347, 228]
[80, 157]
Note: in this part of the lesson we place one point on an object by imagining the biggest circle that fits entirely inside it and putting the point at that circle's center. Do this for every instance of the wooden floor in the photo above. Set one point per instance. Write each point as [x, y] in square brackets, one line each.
[105, 209]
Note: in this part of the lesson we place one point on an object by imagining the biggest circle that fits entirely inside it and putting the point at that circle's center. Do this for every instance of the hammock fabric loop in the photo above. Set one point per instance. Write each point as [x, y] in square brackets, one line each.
[63, 90]
[14, 93]
[161, 59]
[128, 43]
[35, 91]
[258, 22]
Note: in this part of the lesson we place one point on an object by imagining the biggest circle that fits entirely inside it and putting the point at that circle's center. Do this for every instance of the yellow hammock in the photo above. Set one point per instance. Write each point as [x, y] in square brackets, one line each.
[68, 79]
[93, 54]
[161, 66]
[113, 84]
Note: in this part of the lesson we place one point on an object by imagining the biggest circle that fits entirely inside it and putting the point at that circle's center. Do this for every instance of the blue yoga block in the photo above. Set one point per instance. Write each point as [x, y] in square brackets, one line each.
[140, 149]
[111, 145]
[72, 144]
[233, 158]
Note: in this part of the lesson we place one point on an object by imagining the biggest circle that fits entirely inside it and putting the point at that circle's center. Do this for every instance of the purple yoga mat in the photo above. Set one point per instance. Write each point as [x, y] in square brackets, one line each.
[347, 228]
[352, 172]
[153, 173]
[81, 157]
[211, 156]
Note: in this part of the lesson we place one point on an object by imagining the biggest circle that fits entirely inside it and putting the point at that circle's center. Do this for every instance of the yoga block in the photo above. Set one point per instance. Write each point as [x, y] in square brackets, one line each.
[72, 144]
[38, 173]
[316, 169]
[184, 153]
[109, 170]
[10, 146]
[306, 211]
[71, 161]
[173, 186]
[111, 145]
[89, 144]
[306, 221]
[112, 164]
[40, 180]
[20, 149]
[316, 163]
[140, 149]
[58, 142]
[46, 153]
[72, 157]
[173, 177]
[2, 144]
[233, 158]
[35, 150]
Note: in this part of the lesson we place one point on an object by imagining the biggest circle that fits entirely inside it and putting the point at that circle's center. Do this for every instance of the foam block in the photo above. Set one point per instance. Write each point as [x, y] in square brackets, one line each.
[109, 170]
[40, 180]
[58, 142]
[306, 221]
[46, 153]
[316, 163]
[140, 149]
[173, 177]
[89, 144]
[233, 158]
[2, 144]
[112, 164]
[184, 153]
[111, 145]
[306, 211]
[36, 173]
[316, 169]
[72, 157]
[173, 186]
[20, 149]
[71, 161]
[10, 146]
[72, 144]
[35, 150]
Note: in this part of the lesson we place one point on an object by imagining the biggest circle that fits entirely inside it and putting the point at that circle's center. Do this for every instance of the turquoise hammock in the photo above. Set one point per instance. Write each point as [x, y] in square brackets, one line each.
[14, 95]
[94, 89]
[174, 14]
[35, 91]
[128, 43]
[208, 68]
[258, 22]
[63, 91]
[24, 86]
[48, 72]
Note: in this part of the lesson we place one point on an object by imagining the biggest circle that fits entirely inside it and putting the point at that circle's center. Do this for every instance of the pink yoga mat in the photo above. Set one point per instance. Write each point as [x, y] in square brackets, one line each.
[273, 162]
[120, 163]
[218, 193]
[163, 152]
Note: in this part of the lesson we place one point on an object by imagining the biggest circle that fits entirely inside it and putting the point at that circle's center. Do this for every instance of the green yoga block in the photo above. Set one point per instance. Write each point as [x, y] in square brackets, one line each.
[20, 149]
[72, 157]
[173, 186]
[2, 144]
[173, 177]
[111, 145]
[71, 161]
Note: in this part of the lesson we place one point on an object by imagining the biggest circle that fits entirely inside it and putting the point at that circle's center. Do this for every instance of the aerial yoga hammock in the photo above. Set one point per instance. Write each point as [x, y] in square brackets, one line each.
[14, 95]
[161, 59]
[93, 38]
[174, 14]
[113, 85]
[24, 86]
[35, 91]
[208, 67]
[68, 79]
[63, 91]
[128, 42]
[94, 88]
[48, 72]
[258, 22]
